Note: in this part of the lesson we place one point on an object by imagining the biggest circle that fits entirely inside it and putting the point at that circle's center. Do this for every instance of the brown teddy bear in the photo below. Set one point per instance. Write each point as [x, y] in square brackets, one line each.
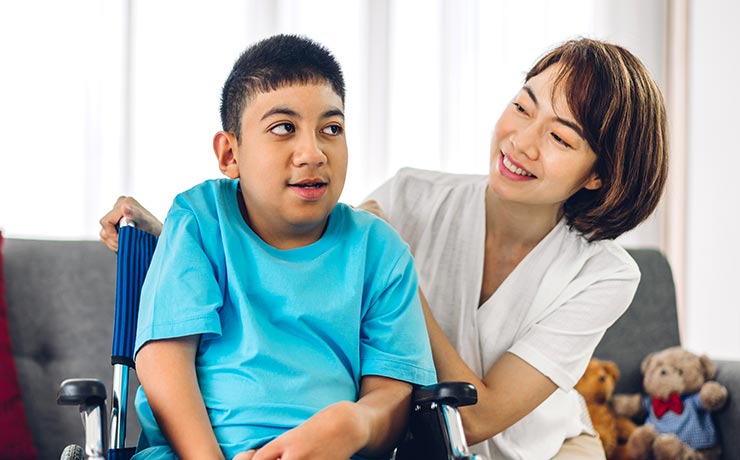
[679, 398]
[597, 386]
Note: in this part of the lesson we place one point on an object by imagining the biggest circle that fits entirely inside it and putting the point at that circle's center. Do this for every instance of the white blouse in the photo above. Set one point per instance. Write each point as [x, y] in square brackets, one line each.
[551, 311]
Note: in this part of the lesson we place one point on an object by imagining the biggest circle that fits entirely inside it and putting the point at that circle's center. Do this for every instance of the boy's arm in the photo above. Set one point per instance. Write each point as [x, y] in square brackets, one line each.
[384, 405]
[166, 370]
[372, 426]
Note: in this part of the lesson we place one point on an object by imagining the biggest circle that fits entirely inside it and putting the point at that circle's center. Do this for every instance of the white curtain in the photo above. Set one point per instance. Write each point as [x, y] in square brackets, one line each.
[121, 97]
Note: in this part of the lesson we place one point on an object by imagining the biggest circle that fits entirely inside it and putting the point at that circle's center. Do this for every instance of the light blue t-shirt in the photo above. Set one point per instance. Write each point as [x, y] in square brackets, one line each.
[284, 333]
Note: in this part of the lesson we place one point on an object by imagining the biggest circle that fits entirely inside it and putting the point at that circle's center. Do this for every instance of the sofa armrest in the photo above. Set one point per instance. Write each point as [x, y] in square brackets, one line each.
[728, 419]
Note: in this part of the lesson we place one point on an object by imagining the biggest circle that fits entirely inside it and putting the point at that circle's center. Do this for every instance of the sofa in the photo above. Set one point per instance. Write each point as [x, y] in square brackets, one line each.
[60, 297]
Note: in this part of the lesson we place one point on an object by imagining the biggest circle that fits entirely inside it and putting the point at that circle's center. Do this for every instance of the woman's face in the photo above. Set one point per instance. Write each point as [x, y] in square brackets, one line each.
[538, 154]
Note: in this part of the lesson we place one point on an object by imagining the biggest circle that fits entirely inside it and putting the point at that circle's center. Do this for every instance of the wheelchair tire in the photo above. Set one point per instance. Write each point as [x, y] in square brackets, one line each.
[73, 452]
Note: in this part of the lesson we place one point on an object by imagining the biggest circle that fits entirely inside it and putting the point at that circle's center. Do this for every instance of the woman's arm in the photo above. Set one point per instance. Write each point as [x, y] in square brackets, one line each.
[129, 208]
[166, 370]
[510, 389]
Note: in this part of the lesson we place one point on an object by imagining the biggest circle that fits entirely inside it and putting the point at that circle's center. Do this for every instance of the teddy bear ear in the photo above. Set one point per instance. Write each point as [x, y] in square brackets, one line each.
[646, 362]
[612, 369]
[710, 369]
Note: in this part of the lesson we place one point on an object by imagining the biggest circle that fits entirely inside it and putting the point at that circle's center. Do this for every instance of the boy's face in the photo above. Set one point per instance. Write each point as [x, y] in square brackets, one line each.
[291, 161]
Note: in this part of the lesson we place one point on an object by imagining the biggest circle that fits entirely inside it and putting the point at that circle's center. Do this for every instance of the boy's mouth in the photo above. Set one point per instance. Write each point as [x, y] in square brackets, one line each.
[308, 183]
[309, 189]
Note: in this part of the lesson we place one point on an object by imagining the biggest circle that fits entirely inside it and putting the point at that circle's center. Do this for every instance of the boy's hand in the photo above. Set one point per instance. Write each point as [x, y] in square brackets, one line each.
[129, 208]
[334, 433]
[373, 425]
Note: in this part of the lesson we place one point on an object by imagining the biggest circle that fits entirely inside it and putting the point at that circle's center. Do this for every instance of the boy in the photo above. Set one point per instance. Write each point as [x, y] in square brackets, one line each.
[274, 322]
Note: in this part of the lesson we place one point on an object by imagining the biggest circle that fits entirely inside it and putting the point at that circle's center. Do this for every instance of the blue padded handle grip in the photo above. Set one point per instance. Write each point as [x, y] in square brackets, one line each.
[135, 250]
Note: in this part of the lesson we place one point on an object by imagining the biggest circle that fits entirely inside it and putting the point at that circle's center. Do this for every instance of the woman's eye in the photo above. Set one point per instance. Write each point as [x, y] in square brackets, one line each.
[560, 140]
[518, 107]
[282, 129]
[332, 130]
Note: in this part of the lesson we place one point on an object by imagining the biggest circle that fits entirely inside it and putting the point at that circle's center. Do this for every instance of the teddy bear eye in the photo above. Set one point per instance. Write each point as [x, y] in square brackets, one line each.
[602, 378]
[680, 372]
[663, 372]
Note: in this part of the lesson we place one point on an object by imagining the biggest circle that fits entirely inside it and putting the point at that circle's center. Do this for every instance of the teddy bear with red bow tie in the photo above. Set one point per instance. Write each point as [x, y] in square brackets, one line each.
[677, 404]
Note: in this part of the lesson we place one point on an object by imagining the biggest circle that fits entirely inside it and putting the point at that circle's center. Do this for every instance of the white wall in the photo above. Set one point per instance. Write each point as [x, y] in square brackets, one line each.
[121, 97]
[713, 211]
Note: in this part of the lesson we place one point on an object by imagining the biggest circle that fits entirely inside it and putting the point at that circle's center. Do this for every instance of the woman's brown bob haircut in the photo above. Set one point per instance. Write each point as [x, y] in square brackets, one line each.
[620, 108]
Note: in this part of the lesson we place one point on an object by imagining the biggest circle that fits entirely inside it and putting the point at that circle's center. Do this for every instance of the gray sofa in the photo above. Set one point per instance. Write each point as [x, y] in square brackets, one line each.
[61, 296]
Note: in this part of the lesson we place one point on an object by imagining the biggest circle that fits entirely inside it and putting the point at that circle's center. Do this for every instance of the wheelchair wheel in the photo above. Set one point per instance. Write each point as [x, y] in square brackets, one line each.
[73, 452]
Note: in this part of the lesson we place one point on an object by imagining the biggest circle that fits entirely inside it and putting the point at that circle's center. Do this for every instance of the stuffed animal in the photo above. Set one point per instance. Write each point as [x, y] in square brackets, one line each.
[679, 398]
[597, 386]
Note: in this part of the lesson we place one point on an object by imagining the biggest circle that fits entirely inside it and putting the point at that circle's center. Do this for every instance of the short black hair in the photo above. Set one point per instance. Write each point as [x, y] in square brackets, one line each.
[272, 63]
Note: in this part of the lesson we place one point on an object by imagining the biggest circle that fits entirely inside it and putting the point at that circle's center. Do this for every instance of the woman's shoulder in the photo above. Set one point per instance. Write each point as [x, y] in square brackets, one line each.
[417, 189]
[606, 257]
[428, 178]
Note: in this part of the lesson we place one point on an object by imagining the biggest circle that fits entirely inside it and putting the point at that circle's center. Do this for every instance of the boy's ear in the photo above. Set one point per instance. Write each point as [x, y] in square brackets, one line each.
[225, 146]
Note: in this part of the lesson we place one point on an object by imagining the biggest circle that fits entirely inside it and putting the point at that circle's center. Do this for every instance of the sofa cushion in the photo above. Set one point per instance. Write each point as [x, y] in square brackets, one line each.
[15, 436]
[61, 296]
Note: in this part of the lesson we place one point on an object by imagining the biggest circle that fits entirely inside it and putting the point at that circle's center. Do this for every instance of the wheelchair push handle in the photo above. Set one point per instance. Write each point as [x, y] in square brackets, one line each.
[135, 251]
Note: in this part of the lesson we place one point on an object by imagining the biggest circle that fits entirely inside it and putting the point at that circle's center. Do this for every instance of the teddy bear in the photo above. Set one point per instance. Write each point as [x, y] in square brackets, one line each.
[597, 387]
[678, 399]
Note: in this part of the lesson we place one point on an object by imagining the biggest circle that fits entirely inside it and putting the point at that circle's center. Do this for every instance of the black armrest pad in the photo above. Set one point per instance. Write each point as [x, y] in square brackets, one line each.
[73, 392]
[450, 393]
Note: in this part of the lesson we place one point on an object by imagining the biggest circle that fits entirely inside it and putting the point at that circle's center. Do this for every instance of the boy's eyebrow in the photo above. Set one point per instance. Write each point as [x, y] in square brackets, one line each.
[281, 110]
[570, 124]
[333, 113]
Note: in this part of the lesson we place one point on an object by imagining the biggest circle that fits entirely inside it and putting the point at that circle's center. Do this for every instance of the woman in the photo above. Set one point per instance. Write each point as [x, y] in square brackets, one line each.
[519, 266]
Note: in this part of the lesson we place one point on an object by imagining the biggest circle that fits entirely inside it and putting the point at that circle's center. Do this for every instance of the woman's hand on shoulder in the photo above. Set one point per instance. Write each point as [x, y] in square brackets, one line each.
[129, 208]
[373, 207]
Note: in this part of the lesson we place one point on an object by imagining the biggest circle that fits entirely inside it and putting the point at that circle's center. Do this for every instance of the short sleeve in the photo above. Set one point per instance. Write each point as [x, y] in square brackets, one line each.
[181, 295]
[561, 343]
[393, 338]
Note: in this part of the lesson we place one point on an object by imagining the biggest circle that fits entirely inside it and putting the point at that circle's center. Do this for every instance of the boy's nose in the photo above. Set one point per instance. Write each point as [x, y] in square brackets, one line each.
[308, 152]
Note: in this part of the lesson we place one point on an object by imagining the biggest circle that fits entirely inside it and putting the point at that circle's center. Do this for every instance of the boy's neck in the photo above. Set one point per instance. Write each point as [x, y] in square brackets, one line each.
[281, 240]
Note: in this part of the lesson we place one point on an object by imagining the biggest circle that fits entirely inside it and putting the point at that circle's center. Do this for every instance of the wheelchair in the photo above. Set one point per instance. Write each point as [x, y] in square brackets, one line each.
[434, 430]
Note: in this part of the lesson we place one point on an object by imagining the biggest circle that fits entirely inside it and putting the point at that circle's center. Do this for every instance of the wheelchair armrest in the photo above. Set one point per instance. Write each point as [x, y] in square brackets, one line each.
[435, 428]
[75, 392]
[455, 394]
